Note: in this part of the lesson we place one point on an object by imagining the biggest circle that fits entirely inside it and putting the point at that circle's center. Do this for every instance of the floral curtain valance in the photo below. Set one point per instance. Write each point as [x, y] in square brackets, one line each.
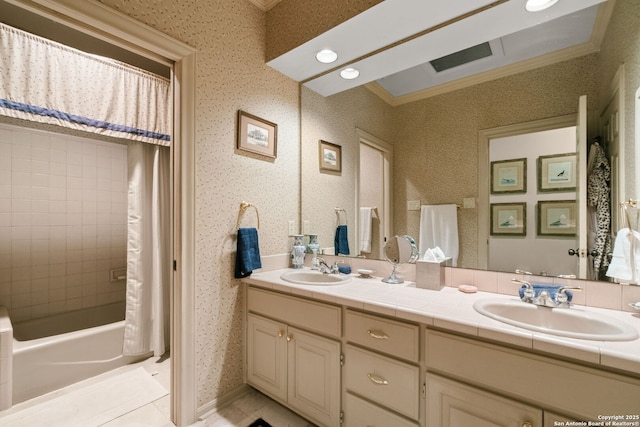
[47, 82]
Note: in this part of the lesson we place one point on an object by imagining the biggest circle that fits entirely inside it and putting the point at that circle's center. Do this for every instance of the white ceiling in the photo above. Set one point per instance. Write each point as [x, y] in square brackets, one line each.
[400, 73]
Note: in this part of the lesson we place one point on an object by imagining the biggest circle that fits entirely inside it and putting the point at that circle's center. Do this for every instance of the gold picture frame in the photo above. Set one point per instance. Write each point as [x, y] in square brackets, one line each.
[257, 135]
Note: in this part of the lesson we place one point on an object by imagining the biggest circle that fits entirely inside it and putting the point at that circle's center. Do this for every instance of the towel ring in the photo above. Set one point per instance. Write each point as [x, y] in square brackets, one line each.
[243, 208]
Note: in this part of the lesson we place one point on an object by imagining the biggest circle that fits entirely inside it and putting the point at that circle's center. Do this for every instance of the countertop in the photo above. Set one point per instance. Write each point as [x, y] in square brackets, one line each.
[453, 310]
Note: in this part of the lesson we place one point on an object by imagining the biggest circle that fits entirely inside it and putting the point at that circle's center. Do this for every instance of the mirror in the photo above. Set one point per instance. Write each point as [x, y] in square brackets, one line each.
[435, 140]
[399, 250]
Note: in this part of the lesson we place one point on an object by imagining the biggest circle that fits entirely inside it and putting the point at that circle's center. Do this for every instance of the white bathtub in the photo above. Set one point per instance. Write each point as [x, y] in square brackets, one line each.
[56, 351]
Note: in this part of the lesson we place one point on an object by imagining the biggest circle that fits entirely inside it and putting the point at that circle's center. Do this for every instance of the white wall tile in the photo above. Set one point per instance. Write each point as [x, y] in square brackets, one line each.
[62, 213]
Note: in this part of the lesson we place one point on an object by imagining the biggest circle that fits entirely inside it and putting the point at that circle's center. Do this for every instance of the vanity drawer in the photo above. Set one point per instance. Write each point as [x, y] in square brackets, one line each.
[309, 315]
[360, 413]
[391, 383]
[396, 338]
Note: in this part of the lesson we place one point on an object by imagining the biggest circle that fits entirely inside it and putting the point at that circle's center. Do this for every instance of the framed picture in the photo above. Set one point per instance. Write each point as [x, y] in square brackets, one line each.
[509, 176]
[557, 218]
[330, 156]
[557, 172]
[508, 219]
[257, 135]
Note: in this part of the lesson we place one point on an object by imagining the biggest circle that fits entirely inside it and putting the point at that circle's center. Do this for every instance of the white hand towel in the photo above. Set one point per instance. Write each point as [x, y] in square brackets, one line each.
[625, 263]
[365, 229]
[439, 228]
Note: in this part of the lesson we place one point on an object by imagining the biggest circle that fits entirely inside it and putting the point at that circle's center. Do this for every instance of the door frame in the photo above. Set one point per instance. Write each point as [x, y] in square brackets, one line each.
[104, 23]
[387, 211]
[484, 172]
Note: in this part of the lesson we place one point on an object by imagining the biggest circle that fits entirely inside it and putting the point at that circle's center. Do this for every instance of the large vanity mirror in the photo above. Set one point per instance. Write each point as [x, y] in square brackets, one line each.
[431, 146]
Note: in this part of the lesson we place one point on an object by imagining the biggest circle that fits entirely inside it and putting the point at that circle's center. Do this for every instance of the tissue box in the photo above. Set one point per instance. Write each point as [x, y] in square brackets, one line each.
[430, 274]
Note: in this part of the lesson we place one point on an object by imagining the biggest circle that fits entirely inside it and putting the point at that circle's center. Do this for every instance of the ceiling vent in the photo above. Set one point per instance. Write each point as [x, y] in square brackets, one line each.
[462, 57]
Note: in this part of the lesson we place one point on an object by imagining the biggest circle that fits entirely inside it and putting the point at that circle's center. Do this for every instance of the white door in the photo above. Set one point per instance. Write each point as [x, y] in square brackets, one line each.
[581, 186]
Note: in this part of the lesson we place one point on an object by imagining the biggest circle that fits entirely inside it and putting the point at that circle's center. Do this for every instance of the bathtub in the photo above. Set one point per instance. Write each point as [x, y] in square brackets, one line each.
[53, 352]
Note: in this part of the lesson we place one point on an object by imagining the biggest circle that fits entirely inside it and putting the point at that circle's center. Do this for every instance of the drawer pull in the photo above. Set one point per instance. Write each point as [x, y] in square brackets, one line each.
[379, 335]
[376, 379]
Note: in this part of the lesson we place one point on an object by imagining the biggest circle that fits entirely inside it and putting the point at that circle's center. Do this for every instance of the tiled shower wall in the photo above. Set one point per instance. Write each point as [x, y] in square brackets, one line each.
[63, 208]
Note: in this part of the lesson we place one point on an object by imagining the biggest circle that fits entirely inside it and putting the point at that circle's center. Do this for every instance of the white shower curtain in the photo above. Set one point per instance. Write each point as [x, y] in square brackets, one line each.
[148, 246]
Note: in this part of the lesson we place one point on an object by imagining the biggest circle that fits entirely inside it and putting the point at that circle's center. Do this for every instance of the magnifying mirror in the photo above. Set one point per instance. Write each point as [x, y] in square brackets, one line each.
[399, 250]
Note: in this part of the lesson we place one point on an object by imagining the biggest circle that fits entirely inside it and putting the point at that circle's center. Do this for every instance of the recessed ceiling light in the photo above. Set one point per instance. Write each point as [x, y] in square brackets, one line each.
[349, 73]
[326, 56]
[538, 5]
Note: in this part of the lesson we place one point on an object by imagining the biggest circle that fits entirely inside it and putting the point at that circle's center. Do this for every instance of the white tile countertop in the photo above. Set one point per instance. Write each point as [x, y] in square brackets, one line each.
[453, 310]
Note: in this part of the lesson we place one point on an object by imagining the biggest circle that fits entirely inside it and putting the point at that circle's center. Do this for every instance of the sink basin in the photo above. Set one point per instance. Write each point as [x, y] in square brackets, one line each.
[309, 277]
[565, 322]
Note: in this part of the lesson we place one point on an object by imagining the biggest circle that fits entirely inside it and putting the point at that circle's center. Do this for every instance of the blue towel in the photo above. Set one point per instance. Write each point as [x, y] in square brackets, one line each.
[341, 241]
[248, 252]
[553, 290]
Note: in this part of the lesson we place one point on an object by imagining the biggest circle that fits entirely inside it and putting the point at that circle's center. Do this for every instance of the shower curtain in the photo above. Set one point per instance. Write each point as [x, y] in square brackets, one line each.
[148, 245]
[46, 82]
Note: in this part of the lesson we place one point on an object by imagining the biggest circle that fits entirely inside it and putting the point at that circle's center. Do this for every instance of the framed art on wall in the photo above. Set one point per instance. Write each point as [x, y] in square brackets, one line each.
[557, 172]
[509, 176]
[330, 156]
[557, 218]
[509, 219]
[256, 135]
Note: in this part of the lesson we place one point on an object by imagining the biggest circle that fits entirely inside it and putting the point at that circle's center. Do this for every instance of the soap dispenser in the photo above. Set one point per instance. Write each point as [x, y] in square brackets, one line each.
[297, 251]
[313, 247]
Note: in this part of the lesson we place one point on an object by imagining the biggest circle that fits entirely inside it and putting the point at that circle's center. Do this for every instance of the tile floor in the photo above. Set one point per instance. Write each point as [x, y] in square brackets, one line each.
[240, 413]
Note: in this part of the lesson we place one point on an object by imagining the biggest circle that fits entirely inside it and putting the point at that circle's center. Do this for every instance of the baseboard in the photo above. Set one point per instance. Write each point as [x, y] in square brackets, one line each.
[218, 403]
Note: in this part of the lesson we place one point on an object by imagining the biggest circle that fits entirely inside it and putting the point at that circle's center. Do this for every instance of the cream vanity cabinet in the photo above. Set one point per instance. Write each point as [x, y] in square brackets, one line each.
[471, 382]
[293, 353]
[381, 373]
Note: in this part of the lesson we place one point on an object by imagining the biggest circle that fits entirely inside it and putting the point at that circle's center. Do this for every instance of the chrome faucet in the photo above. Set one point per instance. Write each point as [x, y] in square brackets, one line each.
[544, 298]
[326, 269]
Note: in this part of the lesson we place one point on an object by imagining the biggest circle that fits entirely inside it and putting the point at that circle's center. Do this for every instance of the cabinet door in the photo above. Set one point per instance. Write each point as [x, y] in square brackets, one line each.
[452, 404]
[267, 356]
[314, 376]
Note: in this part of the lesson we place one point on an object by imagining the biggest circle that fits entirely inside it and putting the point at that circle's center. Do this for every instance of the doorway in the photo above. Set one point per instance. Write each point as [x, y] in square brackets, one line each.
[373, 195]
[114, 29]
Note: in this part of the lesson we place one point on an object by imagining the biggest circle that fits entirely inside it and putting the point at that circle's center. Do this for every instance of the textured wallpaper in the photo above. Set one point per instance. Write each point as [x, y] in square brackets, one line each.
[231, 74]
[622, 45]
[293, 22]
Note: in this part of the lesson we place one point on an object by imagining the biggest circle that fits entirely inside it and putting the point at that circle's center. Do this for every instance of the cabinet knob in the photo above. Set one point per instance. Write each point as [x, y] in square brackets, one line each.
[280, 334]
[289, 337]
[527, 424]
[378, 335]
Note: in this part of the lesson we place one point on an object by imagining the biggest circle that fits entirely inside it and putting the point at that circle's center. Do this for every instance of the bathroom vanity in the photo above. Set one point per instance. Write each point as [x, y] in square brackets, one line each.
[368, 353]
